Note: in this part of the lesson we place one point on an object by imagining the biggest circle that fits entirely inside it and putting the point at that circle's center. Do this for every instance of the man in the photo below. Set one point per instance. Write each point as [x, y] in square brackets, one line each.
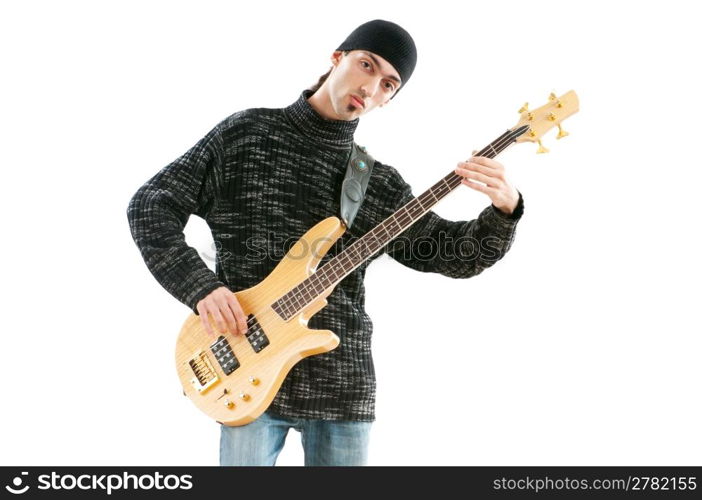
[263, 176]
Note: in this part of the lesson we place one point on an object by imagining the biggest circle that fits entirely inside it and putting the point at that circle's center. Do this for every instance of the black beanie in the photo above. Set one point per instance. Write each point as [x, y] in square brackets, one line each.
[390, 41]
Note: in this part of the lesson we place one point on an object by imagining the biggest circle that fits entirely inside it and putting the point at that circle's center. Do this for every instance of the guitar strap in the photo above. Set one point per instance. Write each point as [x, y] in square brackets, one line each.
[353, 189]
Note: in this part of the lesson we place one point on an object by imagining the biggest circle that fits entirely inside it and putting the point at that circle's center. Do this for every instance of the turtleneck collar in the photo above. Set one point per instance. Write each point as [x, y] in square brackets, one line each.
[315, 126]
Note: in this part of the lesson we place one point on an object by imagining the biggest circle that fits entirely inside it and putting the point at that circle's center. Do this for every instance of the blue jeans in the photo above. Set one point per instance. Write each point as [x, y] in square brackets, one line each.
[325, 442]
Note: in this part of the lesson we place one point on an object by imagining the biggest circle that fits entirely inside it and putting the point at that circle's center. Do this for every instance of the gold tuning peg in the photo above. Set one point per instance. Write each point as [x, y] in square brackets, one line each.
[552, 97]
[561, 132]
[524, 108]
[552, 117]
[541, 149]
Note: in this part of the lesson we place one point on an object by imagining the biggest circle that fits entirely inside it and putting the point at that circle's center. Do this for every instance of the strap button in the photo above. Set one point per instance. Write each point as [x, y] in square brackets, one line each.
[360, 164]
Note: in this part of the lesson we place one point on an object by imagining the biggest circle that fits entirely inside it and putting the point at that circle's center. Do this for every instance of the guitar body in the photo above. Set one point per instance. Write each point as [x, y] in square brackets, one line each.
[239, 397]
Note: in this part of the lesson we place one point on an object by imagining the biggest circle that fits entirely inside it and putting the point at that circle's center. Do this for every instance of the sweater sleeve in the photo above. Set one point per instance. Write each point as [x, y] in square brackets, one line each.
[457, 249]
[160, 209]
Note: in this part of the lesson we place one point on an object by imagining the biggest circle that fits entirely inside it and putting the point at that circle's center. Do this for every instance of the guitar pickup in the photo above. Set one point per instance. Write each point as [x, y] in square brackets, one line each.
[257, 338]
[224, 355]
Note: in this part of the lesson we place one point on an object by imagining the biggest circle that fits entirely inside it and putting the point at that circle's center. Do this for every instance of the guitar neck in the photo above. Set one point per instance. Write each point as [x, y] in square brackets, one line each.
[368, 245]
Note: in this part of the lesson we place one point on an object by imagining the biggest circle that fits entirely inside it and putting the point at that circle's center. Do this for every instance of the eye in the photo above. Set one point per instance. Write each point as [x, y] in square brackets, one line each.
[388, 85]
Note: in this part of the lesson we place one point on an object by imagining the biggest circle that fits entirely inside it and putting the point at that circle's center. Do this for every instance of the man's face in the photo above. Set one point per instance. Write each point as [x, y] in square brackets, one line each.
[363, 75]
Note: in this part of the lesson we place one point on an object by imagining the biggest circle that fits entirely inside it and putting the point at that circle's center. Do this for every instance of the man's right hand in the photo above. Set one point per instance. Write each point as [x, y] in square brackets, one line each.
[226, 311]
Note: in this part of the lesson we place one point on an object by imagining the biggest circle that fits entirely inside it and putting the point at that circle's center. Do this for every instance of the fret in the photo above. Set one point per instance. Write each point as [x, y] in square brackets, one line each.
[358, 253]
[285, 310]
[345, 256]
[333, 270]
[308, 294]
[319, 279]
[306, 287]
[280, 309]
[449, 187]
[326, 271]
[387, 227]
[431, 191]
[318, 285]
[285, 302]
[335, 266]
[393, 219]
[291, 304]
[388, 233]
[305, 299]
[348, 265]
[354, 248]
[438, 189]
[377, 240]
[370, 246]
[374, 244]
[422, 201]
[361, 248]
[398, 219]
[295, 300]
[415, 210]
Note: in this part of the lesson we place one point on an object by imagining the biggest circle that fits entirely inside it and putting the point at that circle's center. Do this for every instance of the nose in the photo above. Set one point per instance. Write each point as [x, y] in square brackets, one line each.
[369, 88]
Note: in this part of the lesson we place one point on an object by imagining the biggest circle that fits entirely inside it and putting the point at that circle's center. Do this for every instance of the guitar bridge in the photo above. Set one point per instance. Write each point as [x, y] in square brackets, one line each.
[205, 376]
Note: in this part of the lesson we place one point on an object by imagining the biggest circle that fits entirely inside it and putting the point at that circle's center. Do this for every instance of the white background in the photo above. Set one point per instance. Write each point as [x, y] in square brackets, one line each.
[580, 347]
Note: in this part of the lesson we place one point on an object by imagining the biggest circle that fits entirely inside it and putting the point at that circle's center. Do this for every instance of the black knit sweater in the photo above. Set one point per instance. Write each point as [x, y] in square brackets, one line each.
[260, 179]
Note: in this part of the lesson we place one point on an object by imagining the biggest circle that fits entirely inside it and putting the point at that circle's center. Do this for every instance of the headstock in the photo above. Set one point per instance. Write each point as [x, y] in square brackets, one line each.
[543, 119]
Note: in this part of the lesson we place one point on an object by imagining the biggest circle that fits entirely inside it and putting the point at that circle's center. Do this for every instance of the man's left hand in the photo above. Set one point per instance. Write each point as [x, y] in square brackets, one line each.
[492, 174]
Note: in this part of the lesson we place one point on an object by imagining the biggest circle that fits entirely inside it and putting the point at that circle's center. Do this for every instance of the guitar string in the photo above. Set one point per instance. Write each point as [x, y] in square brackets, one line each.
[500, 144]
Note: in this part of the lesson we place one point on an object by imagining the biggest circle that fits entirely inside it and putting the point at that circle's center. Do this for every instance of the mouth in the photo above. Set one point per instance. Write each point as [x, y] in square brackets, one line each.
[358, 101]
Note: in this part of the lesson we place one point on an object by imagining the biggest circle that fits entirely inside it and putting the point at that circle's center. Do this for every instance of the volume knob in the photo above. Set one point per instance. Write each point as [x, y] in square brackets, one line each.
[254, 380]
[244, 396]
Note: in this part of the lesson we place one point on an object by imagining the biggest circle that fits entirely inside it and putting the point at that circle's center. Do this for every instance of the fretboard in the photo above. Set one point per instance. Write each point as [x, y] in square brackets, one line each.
[365, 247]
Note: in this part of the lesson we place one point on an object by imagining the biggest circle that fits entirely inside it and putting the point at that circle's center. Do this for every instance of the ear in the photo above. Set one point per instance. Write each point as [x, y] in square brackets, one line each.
[336, 57]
